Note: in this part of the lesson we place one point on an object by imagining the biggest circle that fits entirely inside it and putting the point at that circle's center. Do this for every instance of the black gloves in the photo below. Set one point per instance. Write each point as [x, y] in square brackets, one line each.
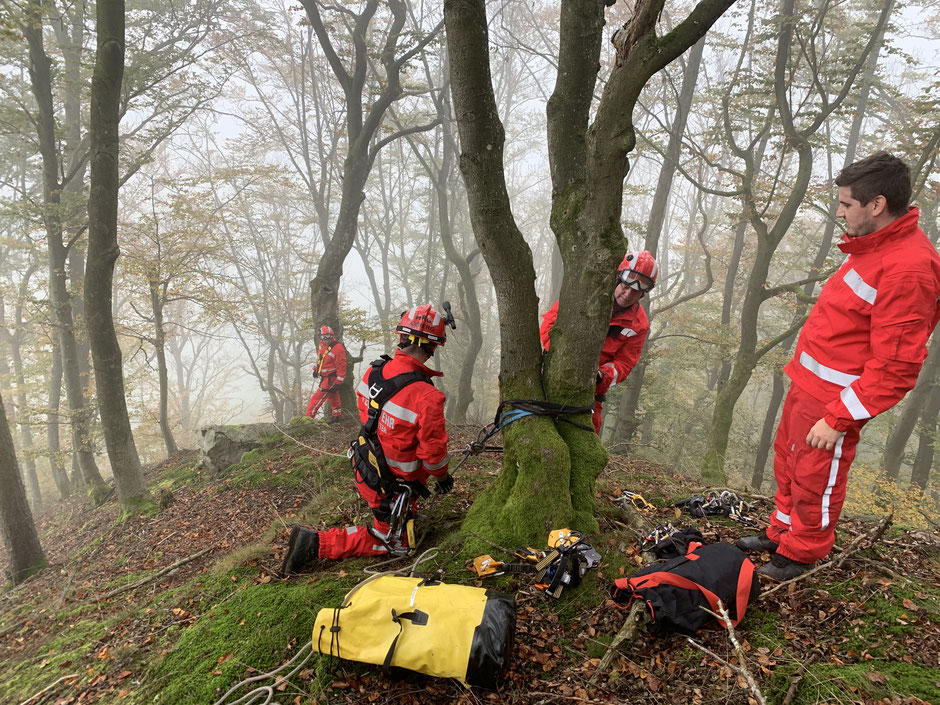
[445, 484]
[599, 377]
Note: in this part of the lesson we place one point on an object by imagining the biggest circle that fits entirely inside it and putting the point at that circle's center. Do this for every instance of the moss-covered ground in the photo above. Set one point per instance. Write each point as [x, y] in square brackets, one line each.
[100, 626]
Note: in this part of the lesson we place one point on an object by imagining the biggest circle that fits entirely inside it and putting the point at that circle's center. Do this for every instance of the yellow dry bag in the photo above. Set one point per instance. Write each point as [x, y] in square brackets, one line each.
[451, 631]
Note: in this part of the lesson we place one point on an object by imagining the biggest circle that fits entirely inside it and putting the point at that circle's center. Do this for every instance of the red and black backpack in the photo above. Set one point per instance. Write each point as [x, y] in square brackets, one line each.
[676, 591]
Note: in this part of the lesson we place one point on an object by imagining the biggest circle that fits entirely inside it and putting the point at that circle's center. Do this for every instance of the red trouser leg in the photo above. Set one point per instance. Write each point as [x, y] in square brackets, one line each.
[811, 482]
[353, 541]
[596, 417]
[316, 401]
[335, 405]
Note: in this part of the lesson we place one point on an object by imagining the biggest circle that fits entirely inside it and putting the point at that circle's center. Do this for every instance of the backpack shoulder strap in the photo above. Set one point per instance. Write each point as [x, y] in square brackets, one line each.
[381, 389]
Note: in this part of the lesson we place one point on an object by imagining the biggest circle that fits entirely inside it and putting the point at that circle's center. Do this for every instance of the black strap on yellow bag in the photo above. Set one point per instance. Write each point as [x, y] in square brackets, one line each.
[368, 458]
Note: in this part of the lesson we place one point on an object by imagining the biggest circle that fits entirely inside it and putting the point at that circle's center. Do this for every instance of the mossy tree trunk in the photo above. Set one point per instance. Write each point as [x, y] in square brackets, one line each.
[103, 252]
[751, 349]
[16, 521]
[549, 469]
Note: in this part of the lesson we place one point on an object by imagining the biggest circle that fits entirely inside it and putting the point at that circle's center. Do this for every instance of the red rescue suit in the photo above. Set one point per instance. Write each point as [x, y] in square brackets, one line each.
[414, 439]
[858, 354]
[622, 347]
[331, 368]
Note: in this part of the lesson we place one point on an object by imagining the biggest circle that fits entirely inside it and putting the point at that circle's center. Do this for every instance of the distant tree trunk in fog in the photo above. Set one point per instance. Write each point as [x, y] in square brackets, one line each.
[14, 343]
[364, 117]
[916, 403]
[19, 531]
[103, 252]
[59, 475]
[630, 399]
[157, 297]
[750, 349]
[767, 430]
[923, 461]
[59, 299]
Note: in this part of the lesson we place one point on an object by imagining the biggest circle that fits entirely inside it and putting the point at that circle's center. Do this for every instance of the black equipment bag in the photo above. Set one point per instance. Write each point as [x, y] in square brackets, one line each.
[676, 591]
[368, 458]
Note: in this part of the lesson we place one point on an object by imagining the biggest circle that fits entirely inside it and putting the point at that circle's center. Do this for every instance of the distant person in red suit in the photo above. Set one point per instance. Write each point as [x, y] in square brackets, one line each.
[331, 369]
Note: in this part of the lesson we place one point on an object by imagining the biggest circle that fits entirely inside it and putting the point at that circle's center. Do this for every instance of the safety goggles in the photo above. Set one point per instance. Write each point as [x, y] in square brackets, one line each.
[634, 280]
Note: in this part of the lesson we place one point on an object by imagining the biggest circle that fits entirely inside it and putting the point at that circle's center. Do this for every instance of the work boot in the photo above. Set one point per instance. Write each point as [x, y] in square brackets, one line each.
[783, 568]
[303, 547]
[334, 419]
[757, 543]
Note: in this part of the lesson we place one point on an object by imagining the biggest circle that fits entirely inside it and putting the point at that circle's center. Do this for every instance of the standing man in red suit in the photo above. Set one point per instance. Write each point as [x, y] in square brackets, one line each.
[858, 354]
[408, 420]
[331, 369]
[636, 275]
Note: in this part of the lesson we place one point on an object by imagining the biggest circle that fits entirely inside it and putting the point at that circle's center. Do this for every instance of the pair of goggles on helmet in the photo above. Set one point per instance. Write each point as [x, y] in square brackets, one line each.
[634, 280]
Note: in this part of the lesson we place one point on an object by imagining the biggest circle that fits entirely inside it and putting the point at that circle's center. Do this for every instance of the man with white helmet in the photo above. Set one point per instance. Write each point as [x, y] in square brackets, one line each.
[331, 369]
[402, 443]
[628, 328]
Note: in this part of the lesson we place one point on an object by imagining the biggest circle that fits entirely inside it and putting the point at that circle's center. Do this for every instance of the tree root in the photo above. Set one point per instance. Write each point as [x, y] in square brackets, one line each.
[636, 618]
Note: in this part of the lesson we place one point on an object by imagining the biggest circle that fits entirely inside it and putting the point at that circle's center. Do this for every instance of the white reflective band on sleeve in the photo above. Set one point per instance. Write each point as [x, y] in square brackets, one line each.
[400, 412]
[350, 530]
[858, 285]
[363, 389]
[784, 518]
[843, 379]
[833, 473]
[613, 373]
[435, 466]
[629, 332]
[339, 380]
[403, 465]
[329, 354]
[853, 404]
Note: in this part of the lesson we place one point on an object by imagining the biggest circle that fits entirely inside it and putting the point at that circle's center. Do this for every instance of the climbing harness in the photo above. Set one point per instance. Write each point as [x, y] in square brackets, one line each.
[725, 503]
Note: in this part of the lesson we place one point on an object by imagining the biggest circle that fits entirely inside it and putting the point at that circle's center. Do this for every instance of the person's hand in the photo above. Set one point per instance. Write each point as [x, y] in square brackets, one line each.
[822, 435]
[445, 484]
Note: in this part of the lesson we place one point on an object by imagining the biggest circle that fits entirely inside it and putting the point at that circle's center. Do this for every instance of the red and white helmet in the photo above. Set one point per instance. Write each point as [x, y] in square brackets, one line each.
[423, 324]
[638, 270]
[326, 333]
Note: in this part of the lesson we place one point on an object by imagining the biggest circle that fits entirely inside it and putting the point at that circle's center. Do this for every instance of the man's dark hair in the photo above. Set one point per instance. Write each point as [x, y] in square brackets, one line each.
[880, 174]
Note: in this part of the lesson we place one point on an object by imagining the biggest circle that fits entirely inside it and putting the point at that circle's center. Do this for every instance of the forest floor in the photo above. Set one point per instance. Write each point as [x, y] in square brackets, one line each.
[106, 623]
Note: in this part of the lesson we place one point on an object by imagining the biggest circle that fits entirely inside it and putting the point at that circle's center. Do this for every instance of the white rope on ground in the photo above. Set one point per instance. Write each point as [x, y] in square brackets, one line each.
[304, 445]
[266, 691]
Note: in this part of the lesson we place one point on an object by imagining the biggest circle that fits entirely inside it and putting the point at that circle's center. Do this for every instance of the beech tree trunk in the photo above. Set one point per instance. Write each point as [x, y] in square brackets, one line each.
[630, 399]
[923, 461]
[16, 521]
[53, 451]
[549, 469]
[914, 406]
[159, 343]
[60, 301]
[103, 252]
